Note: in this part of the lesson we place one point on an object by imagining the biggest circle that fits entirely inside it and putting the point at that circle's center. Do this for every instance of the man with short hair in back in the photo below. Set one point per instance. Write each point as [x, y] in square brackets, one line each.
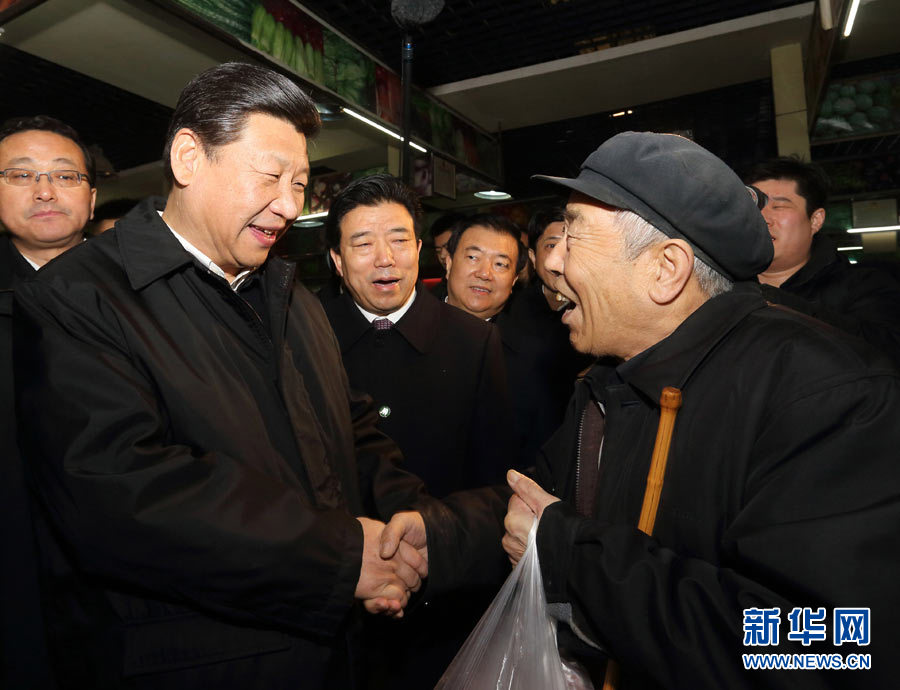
[810, 274]
[486, 257]
[46, 196]
[438, 379]
[210, 492]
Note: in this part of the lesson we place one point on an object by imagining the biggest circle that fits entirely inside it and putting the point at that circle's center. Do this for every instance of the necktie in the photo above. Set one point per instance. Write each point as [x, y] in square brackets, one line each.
[590, 441]
[382, 324]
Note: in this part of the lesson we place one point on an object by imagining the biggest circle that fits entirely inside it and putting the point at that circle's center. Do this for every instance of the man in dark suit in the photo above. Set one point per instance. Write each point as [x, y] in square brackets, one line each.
[209, 489]
[438, 378]
[46, 197]
[486, 256]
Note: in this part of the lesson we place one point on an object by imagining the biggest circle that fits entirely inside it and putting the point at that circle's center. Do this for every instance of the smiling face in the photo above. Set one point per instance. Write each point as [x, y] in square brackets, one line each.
[609, 312]
[790, 225]
[379, 256]
[43, 216]
[482, 271]
[234, 202]
[546, 243]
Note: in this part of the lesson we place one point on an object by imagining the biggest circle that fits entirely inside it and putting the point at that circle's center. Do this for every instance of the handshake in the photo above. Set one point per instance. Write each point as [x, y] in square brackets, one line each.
[394, 561]
[395, 555]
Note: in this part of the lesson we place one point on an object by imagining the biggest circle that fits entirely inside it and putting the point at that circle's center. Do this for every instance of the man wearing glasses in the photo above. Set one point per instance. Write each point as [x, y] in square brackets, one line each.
[46, 198]
[47, 193]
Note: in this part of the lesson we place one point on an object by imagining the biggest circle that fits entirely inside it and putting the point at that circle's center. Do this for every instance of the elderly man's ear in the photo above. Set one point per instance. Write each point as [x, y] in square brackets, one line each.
[670, 269]
[184, 156]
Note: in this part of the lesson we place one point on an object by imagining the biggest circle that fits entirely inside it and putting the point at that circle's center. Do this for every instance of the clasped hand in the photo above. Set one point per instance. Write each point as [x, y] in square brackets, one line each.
[394, 561]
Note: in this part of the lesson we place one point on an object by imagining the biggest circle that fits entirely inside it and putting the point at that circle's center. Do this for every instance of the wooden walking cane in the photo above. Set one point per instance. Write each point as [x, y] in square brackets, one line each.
[669, 402]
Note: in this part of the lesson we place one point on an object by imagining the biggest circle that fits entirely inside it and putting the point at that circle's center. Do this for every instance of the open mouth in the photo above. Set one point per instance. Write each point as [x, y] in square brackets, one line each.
[478, 290]
[385, 283]
[265, 231]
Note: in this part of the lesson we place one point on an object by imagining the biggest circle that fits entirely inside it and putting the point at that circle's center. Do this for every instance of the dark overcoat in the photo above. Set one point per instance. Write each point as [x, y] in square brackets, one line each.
[198, 469]
[439, 379]
[782, 489]
[861, 300]
[23, 650]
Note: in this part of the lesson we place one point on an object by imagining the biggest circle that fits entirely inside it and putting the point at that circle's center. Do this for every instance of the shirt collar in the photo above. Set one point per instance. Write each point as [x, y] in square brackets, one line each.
[394, 316]
[208, 263]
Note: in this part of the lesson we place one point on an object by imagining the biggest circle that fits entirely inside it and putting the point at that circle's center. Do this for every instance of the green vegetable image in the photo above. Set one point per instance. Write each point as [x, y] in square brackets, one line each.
[859, 121]
[863, 101]
[848, 91]
[879, 114]
[826, 109]
[256, 21]
[267, 33]
[278, 41]
[299, 63]
[865, 86]
[288, 52]
[844, 106]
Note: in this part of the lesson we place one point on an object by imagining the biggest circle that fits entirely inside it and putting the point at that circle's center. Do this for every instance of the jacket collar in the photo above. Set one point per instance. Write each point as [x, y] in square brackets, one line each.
[149, 250]
[822, 255]
[673, 360]
[13, 266]
[418, 326]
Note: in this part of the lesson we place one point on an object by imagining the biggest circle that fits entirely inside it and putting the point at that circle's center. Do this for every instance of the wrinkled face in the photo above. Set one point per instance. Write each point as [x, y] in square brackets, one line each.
[245, 195]
[790, 226]
[440, 247]
[605, 289]
[482, 271]
[379, 256]
[546, 243]
[43, 215]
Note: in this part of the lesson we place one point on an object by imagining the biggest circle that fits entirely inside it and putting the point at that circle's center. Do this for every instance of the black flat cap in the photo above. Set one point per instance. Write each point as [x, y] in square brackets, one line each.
[683, 190]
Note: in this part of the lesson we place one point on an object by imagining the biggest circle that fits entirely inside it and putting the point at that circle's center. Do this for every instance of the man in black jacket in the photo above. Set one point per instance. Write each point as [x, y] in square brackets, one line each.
[202, 469]
[811, 275]
[438, 379]
[778, 523]
[46, 197]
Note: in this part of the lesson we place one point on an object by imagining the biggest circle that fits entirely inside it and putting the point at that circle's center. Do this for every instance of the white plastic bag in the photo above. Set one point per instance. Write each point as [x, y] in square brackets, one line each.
[513, 647]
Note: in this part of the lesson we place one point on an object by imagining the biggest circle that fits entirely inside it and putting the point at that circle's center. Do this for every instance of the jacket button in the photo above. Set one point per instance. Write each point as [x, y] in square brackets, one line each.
[384, 411]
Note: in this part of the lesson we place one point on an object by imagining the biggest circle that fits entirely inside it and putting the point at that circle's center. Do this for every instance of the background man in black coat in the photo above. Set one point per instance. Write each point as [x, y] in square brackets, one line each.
[810, 273]
[203, 472]
[46, 197]
[438, 379]
[486, 257]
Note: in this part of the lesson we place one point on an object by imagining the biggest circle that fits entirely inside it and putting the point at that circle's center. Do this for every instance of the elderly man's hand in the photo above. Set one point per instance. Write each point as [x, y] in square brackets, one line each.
[405, 535]
[528, 500]
[385, 583]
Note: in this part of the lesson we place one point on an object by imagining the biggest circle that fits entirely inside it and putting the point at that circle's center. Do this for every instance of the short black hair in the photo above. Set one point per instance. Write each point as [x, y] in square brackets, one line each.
[812, 182]
[445, 223]
[499, 224]
[114, 209]
[540, 219]
[45, 123]
[216, 103]
[371, 190]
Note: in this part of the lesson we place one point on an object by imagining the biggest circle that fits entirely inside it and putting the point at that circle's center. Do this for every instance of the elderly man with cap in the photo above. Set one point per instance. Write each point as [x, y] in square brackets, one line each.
[778, 520]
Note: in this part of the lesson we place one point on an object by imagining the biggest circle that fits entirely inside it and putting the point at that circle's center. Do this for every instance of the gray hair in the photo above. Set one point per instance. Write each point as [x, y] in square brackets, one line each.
[638, 235]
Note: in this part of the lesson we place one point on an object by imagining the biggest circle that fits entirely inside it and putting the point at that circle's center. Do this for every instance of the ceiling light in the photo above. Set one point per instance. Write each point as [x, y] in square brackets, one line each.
[493, 195]
[619, 114]
[382, 128]
[849, 249]
[310, 220]
[851, 17]
[880, 228]
[853, 261]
